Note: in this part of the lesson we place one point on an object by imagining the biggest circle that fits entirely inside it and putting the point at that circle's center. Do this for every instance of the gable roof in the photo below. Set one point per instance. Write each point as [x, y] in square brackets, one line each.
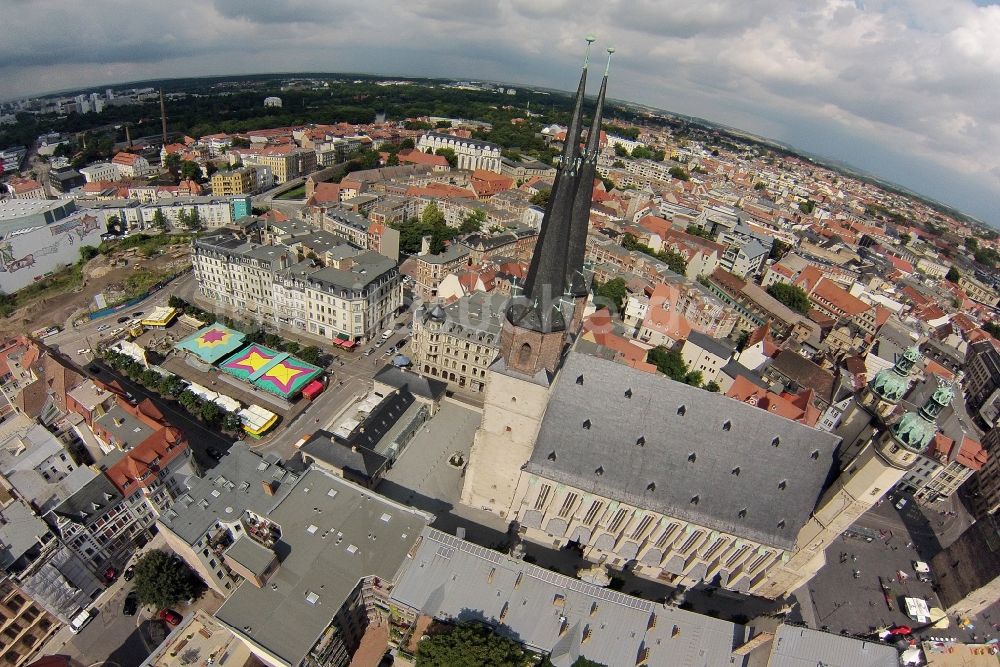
[779, 483]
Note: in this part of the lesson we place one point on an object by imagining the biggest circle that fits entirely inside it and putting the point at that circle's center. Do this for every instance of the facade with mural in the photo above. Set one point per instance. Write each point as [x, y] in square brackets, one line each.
[29, 254]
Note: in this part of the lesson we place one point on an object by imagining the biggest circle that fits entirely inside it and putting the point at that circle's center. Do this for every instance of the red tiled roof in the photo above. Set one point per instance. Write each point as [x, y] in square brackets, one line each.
[153, 453]
[125, 158]
[971, 454]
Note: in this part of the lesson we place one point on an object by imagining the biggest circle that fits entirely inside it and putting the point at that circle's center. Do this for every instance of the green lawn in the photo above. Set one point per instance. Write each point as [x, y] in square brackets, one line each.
[294, 193]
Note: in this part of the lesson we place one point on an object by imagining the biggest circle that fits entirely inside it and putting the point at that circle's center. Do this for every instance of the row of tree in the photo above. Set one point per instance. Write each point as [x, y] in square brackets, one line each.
[675, 261]
[174, 387]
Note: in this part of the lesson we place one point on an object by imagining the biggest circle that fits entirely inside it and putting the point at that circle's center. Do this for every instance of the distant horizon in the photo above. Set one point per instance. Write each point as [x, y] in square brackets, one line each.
[826, 161]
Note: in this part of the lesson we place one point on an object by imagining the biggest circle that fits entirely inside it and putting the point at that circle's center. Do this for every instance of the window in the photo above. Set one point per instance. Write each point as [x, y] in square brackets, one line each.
[543, 496]
[618, 519]
[567, 505]
[524, 355]
[591, 515]
[640, 530]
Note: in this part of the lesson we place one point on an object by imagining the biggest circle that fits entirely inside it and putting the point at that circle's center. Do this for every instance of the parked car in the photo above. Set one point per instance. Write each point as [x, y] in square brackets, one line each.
[131, 604]
[128, 573]
[110, 574]
[123, 319]
[170, 616]
[104, 327]
[214, 453]
[81, 620]
[901, 503]
[369, 351]
[137, 313]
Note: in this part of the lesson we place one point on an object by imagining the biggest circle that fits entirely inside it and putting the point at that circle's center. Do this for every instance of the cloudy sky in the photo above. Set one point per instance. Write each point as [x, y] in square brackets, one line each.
[906, 89]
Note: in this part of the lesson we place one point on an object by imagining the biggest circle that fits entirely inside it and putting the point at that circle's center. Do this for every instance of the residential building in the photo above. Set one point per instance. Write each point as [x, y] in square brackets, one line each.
[431, 269]
[982, 375]
[25, 188]
[840, 305]
[744, 258]
[756, 307]
[348, 293]
[471, 154]
[242, 181]
[986, 499]
[341, 548]
[199, 529]
[458, 342]
[706, 354]
[131, 165]
[24, 625]
[285, 161]
[978, 291]
[968, 570]
[101, 171]
[946, 465]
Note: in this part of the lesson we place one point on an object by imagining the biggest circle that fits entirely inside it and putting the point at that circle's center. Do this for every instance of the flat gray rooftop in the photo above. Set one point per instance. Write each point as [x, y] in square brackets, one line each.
[333, 534]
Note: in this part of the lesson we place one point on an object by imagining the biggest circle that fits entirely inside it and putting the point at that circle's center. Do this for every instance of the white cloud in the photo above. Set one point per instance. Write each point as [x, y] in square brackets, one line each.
[908, 77]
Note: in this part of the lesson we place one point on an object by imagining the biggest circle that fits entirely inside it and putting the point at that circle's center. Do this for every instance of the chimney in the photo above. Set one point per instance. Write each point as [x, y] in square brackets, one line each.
[268, 488]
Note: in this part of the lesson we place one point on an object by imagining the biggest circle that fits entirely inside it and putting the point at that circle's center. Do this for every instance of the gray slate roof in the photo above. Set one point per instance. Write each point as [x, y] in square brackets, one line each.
[250, 554]
[418, 385]
[449, 578]
[801, 460]
[720, 348]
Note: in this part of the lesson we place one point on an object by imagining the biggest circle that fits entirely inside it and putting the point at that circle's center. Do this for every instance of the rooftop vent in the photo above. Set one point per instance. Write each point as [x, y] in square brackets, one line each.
[628, 393]
[736, 471]
[694, 499]
[692, 457]
[727, 425]
[599, 471]
[641, 441]
[783, 484]
[586, 424]
[781, 524]
[552, 455]
[775, 441]
[312, 598]
[815, 454]
[651, 486]
[682, 410]
[579, 379]
[742, 513]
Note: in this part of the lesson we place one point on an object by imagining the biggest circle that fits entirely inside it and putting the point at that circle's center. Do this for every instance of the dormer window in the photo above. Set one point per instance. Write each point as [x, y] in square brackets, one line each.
[599, 471]
[727, 425]
[736, 471]
[641, 441]
[681, 410]
[552, 456]
[651, 486]
[692, 457]
[586, 424]
[775, 441]
[742, 513]
[579, 379]
[781, 524]
[628, 393]
[815, 454]
[694, 500]
[783, 484]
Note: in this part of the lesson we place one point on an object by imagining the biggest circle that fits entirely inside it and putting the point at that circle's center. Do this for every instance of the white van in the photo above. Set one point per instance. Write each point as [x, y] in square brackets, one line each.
[80, 621]
[387, 334]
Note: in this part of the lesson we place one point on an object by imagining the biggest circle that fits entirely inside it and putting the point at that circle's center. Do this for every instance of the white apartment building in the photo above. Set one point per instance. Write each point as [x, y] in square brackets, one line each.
[471, 154]
[100, 171]
[347, 293]
[943, 468]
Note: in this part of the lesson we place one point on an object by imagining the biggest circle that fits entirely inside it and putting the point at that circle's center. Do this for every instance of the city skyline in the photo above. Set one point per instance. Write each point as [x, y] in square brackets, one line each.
[894, 89]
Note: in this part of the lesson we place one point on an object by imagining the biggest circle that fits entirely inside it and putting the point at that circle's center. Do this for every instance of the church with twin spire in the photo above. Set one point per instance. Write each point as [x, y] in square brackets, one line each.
[669, 481]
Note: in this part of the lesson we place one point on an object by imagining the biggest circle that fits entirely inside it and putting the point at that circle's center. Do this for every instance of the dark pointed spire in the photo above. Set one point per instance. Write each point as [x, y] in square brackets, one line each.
[539, 307]
[576, 286]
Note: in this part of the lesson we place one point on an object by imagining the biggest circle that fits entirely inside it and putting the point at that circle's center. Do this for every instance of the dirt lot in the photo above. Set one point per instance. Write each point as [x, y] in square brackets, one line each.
[98, 276]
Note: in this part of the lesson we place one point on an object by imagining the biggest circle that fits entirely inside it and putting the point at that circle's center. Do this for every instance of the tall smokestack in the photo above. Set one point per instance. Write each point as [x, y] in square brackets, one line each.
[128, 136]
[163, 117]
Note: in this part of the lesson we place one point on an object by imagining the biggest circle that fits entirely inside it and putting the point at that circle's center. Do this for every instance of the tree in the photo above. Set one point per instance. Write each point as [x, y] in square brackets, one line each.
[468, 645]
[159, 220]
[88, 252]
[779, 249]
[613, 293]
[310, 355]
[231, 422]
[150, 378]
[432, 215]
[905, 239]
[792, 296]
[621, 151]
[192, 220]
[8, 303]
[393, 160]
[192, 171]
[953, 275]
[190, 400]
[668, 362]
[210, 412]
[449, 155]
[713, 386]
[679, 173]
[807, 207]
[171, 385]
[407, 143]
[993, 329]
[759, 185]
[972, 244]
[697, 230]
[173, 164]
[473, 222]
[541, 198]
[161, 580]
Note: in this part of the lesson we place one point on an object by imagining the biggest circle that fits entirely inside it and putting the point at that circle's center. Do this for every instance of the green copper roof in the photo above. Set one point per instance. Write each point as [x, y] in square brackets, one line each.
[889, 385]
[913, 432]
